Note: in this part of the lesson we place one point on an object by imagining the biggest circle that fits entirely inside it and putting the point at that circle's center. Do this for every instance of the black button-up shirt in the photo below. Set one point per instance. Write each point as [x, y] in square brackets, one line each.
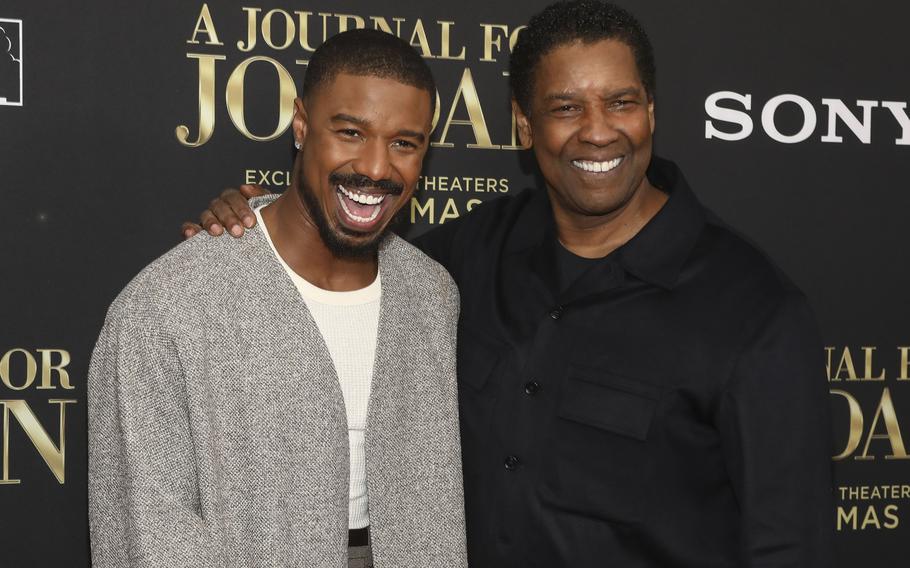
[664, 406]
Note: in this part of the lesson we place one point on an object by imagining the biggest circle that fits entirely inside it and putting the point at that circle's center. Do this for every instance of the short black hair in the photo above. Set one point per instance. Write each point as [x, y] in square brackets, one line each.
[579, 20]
[370, 53]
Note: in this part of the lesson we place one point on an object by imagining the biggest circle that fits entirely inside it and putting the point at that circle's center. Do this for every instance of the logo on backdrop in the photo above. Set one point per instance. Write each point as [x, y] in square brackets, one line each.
[10, 62]
[791, 119]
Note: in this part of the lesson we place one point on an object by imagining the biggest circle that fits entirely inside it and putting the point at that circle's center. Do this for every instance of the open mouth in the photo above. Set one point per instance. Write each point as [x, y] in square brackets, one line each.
[597, 167]
[361, 209]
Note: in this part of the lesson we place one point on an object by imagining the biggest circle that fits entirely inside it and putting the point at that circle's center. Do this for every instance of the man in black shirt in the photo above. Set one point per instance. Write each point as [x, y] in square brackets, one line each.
[639, 386]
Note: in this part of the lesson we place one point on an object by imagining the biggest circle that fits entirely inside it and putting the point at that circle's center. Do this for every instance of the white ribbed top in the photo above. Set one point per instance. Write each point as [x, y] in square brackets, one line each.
[349, 323]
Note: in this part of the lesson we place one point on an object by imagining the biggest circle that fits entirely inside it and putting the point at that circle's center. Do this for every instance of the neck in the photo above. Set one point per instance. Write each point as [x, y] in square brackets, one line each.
[297, 240]
[596, 236]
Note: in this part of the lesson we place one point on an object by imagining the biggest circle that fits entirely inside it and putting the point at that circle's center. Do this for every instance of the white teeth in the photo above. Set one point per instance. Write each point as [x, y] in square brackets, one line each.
[362, 198]
[358, 218]
[597, 167]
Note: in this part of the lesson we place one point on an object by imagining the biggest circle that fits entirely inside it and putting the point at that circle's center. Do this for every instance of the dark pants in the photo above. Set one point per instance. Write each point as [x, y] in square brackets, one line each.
[360, 557]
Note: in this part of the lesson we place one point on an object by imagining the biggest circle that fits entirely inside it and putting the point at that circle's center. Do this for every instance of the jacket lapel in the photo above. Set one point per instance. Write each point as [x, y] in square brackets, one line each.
[394, 336]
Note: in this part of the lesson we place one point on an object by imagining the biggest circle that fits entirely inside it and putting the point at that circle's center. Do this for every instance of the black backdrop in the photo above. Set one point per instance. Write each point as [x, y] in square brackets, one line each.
[95, 182]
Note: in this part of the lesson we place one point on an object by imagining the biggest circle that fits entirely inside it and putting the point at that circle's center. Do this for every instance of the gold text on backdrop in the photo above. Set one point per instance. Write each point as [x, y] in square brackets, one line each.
[19, 370]
[280, 30]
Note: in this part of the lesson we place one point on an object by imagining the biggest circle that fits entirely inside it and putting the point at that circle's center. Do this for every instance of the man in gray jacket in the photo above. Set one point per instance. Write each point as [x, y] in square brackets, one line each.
[313, 421]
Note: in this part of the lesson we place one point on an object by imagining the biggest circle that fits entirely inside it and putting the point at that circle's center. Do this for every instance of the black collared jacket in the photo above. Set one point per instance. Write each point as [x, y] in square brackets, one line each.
[667, 409]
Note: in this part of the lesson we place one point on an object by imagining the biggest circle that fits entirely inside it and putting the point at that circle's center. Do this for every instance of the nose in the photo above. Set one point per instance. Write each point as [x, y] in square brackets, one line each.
[373, 160]
[597, 127]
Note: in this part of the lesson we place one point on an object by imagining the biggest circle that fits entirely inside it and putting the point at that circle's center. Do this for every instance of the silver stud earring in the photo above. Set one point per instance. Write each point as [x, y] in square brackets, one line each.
[297, 145]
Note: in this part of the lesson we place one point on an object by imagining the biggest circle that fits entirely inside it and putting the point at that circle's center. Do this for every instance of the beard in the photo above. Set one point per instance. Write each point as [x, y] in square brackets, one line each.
[334, 237]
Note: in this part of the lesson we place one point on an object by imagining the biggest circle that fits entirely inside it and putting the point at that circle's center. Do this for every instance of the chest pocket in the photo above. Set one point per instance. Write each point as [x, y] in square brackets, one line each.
[611, 402]
[599, 463]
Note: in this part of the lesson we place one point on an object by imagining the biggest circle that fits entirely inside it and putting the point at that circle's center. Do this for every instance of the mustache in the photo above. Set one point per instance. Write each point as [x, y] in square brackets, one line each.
[359, 181]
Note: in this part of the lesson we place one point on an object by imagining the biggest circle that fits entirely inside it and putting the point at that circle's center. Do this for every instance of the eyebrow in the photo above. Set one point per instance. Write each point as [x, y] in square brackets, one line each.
[342, 117]
[559, 97]
[571, 95]
[624, 92]
[412, 134]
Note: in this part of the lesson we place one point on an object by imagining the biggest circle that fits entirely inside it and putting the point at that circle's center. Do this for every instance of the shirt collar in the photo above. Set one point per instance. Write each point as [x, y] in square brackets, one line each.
[657, 253]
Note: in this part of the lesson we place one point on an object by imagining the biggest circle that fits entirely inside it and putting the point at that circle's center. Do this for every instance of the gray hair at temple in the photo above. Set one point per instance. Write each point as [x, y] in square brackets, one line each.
[587, 21]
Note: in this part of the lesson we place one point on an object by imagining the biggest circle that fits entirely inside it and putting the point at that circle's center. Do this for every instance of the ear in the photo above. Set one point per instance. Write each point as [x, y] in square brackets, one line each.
[299, 123]
[523, 125]
[651, 112]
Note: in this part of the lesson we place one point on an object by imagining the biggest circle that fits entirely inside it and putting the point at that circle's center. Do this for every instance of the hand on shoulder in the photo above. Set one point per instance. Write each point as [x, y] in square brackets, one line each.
[230, 210]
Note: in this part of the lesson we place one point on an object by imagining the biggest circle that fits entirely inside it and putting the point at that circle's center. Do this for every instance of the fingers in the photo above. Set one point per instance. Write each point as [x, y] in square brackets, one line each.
[239, 205]
[210, 223]
[223, 215]
[251, 190]
[189, 229]
[230, 211]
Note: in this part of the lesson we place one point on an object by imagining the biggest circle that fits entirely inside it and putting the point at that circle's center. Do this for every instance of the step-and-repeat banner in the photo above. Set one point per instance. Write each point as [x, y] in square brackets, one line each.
[118, 120]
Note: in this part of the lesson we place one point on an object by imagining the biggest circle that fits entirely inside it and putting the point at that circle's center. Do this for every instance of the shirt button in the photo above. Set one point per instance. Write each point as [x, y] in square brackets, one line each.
[532, 388]
[511, 463]
[556, 312]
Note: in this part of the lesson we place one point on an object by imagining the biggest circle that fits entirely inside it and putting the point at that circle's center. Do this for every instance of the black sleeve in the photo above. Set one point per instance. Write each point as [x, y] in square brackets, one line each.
[777, 442]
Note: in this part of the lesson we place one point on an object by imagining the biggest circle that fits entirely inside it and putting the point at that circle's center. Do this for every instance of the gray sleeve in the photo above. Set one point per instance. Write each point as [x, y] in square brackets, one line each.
[144, 507]
[456, 515]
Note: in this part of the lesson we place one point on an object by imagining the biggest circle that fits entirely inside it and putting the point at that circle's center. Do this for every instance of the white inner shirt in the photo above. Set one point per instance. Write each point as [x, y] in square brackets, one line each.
[349, 323]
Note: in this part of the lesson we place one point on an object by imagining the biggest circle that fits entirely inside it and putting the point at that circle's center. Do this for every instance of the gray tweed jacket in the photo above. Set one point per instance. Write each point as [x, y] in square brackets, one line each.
[217, 430]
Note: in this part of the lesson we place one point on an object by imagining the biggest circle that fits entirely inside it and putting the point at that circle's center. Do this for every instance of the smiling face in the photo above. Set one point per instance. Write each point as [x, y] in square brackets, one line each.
[590, 122]
[363, 142]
